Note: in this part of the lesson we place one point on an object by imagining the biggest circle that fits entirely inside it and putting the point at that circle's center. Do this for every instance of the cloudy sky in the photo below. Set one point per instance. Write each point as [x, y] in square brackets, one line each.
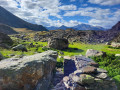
[103, 13]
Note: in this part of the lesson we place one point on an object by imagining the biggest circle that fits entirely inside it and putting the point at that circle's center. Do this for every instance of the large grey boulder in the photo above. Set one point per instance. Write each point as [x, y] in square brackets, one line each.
[91, 52]
[28, 73]
[58, 43]
[20, 47]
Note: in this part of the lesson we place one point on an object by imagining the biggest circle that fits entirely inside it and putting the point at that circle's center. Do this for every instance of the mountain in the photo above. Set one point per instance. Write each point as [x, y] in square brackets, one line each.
[78, 27]
[87, 27]
[6, 29]
[52, 28]
[63, 27]
[9, 19]
[116, 27]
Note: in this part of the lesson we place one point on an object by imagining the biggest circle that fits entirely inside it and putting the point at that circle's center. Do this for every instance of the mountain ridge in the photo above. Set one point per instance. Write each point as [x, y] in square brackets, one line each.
[8, 18]
[77, 27]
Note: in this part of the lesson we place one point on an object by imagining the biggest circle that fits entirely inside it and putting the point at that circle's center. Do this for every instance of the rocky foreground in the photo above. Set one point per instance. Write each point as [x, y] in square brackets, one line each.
[28, 73]
[36, 73]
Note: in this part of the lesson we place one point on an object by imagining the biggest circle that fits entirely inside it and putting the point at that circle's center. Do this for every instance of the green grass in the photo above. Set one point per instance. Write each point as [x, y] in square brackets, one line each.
[82, 48]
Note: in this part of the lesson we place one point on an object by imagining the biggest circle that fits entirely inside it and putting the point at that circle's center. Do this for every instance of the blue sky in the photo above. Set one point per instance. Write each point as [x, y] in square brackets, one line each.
[105, 13]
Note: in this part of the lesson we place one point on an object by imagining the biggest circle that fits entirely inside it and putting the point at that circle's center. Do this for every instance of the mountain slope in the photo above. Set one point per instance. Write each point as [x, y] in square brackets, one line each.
[6, 29]
[116, 27]
[9, 19]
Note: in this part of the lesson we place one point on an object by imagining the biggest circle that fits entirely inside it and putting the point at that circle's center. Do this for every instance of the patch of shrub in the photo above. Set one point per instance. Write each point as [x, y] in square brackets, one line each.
[111, 63]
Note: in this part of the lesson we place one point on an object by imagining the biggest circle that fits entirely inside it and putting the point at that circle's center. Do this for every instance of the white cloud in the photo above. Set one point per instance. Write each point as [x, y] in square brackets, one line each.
[68, 7]
[99, 17]
[105, 2]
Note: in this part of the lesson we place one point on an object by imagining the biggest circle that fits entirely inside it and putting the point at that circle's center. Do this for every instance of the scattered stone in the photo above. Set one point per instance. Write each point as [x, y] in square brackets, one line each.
[117, 55]
[19, 47]
[102, 75]
[89, 69]
[30, 72]
[91, 52]
[78, 72]
[58, 43]
[116, 45]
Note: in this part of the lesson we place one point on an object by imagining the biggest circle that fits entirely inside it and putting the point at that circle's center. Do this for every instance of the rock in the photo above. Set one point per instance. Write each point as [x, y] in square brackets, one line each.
[5, 39]
[93, 64]
[117, 55]
[31, 45]
[78, 72]
[86, 79]
[78, 87]
[66, 79]
[29, 72]
[58, 43]
[1, 56]
[108, 43]
[100, 70]
[91, 52]
[115, 45]
[102, 75]
[19, 47]
[89, 69]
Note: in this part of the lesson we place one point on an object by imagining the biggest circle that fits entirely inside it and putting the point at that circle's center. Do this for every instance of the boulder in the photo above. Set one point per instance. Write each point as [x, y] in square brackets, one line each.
[115, 45]
[19, 47]
[91, 52]
[28, 73]
[5, 39]
[58, 43]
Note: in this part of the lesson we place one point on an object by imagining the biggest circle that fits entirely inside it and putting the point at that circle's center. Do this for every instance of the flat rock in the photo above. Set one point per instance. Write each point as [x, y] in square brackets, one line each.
[102, 75]
[89, 69]
[100, 70]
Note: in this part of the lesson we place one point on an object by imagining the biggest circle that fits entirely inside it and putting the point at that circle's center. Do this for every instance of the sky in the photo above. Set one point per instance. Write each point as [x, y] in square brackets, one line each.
[104, 13]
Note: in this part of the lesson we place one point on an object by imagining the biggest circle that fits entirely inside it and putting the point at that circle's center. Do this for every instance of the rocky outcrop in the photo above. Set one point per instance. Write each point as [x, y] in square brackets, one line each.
[19, 47]
[91, 52]
[28, 73]
[5, 40]
[87, 76]
[58, 43]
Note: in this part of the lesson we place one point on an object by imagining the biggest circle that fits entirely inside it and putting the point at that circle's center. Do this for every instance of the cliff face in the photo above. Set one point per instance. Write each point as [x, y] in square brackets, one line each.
[9, 19]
